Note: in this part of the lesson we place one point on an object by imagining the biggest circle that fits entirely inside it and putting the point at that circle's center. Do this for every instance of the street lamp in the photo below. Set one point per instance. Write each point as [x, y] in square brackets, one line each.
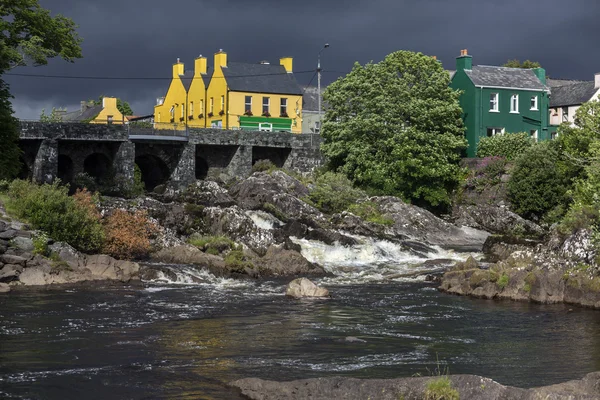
[319, 80]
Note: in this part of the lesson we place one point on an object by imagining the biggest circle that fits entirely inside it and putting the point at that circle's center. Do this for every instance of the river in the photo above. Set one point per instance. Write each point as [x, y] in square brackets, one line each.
[185, 339]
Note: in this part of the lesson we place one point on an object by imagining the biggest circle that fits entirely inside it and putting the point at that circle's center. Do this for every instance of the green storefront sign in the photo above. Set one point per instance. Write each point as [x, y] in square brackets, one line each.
[267, 124]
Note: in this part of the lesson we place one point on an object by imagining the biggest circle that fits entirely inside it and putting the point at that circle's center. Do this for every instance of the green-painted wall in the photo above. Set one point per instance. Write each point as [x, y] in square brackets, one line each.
[477, 117]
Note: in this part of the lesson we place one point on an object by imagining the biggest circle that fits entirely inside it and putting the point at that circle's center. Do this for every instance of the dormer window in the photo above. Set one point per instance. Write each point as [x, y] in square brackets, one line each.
[494, 102]
[514, 104]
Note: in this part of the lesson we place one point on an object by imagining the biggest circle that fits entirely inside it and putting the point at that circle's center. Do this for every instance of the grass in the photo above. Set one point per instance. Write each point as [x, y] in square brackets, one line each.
[370, 211]
[275, 211]
[237, 261]
[502, 281]
[441, 388]
[213, 244]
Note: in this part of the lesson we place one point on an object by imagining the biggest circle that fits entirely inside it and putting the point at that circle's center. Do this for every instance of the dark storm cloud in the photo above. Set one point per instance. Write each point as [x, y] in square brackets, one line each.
[142, 39]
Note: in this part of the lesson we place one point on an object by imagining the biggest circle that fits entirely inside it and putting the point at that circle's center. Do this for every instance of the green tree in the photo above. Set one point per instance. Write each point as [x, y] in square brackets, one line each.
[30, 35]
[395, 128]
[525, 64]
[9, 136]
[54, 115]
[122, 106]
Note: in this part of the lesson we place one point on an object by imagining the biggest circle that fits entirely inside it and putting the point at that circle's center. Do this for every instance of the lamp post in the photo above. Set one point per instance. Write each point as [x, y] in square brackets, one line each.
[319, 80]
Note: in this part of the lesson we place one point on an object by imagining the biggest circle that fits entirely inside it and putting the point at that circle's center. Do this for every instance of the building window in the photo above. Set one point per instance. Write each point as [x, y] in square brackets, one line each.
[534, 103]
[109, 119]
[191, 109]
[494, 102]
[212, 105]
[158, 118]
[182, 111]
[283, 107]
[554, 135]
[248, 105]
[265, 107]
[317, 127]
[533, 134]
[565, 114]
[172, 111]
[265, 127]
[202, 106]
[222, 103]
[514, 103]
[495, 131]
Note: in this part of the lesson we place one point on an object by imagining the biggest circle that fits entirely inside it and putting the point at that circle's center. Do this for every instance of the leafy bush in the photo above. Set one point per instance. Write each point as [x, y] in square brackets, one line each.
[128, 234]
[441, 389]
[237, 261]
[370, 211]
[263, 166]
[275, 211]
[40, 243]
[334, 193]
[510, 146]
[503, 281]
[536, 185]
[488, 172]
[74, 220]
[213, 244]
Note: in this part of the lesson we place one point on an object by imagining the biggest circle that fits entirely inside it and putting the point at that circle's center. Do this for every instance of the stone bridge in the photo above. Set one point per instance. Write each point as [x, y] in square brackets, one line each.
[173, 158]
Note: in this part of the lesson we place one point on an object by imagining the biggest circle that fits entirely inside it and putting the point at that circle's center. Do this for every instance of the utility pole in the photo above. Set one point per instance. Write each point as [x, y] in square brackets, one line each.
[319, 80]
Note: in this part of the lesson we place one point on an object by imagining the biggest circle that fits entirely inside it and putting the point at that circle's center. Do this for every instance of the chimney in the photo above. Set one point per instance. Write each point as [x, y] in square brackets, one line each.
[541, 74]
[465, 61]
[220, 59]
[287, 63]
[597, 80]
[178, 69]
[84, 106]
[109, 102]
[200, 66]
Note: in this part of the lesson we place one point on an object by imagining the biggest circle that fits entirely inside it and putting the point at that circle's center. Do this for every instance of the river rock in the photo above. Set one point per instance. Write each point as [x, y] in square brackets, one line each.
[23, 243]
[8, 234]
[495, 219]
[3, 226]
[13, 259]
[469, 387]
[206, 193]
[106, 267]
[10, 272]
[579, 247]
[302, 287]
[281, 262]
[4, 288]
[68, 254]
[187, 254]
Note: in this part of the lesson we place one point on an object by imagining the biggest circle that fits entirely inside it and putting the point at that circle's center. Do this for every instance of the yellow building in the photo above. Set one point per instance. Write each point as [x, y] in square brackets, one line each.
[245, 96]
[104, 113]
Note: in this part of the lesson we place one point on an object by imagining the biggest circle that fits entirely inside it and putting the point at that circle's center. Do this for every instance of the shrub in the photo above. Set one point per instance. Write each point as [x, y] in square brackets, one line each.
[237, 261]
[510, 146]
[502, 281]
[83, 180]
[441, 389]
[334, 193]
[536, 185]
[275, 211]
[128, 234]
[74, 220]
[40, 243]
[263, 166]
[370, 211]
[213, 244]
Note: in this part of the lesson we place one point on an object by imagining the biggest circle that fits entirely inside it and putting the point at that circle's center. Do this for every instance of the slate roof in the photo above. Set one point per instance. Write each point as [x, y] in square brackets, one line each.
[503, 77]
[186, 79]
[89, 113]
[573, 94]
[310, 98]
[560, 82]
[260, 78]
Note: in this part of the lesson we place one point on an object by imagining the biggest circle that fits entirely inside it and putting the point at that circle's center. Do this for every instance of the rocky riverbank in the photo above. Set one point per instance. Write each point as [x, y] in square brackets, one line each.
[468, 387]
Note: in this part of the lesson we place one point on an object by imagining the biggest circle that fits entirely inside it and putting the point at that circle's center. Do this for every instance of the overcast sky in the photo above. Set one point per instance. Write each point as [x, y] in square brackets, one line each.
[142, 39]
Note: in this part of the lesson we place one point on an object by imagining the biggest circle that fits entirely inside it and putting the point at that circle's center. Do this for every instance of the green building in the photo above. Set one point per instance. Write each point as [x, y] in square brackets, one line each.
[499, 100]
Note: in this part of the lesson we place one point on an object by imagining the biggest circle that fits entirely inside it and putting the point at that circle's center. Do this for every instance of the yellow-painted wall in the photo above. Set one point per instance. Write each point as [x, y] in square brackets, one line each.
[196, 96]
[217, 88]
[109, 109]
[237, 107]
[175, 98]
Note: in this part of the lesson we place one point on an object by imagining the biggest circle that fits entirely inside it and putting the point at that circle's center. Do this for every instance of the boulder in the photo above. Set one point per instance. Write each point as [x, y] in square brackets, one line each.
[23, 243]
[495, 219]
[302, 287]
[68, 254]
[579, 247]
[4, 288]
[281, 262]
[187, 254]
[13, 259]
[206, 193]
[10, 272]
[105, 267]
[8, 234]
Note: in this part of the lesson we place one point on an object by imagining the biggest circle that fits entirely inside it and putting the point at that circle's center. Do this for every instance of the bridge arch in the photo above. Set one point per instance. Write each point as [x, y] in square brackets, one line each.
[65, 168]
[154, 170]
[97, 165]
[201, 167]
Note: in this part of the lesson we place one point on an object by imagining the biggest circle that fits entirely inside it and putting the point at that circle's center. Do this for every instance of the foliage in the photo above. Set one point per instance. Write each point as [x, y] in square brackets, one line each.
[40, 243]
[370, 211]
[441, 389]
[396, 128]
[275, 211]
[128, 234]
[488, 172]
[236, 261]
[525, 64]
[334, 193]
[74, 220]
[54, 115]
[214, 244]
[30, 35]
[123, 106]
[510, 146]
[536, 184]
[502, 281]
[263, 166]
[9, 135]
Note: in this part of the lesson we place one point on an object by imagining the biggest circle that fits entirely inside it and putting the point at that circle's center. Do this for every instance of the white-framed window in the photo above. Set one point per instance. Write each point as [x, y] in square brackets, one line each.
[565, 114]
[212, 105]
[494, 102]
[534, 134]
[266, 104]
[514, 103]
[222, 103]
[109, 119]
[265, 127]
[534, 103]
[492, 131]
[248, 104]
[191, 109]
[172, 111]
[283, 107]
[183, 111]
[317, 126]
[554, 135]
[202, 106]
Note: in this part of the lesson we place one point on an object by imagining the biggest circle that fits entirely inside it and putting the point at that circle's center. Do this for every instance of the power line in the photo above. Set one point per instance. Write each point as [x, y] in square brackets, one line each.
[142, 78]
